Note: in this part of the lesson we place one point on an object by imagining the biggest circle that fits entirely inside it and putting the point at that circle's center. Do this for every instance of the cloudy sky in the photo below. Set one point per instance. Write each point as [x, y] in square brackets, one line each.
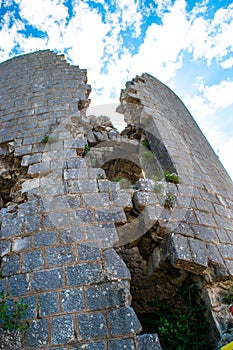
[188, 45]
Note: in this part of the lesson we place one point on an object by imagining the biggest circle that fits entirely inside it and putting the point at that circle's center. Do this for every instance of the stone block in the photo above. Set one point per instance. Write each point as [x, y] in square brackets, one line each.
[148, 342]
[32, 223]
[5, 247]
[75, 174]
[107, 295]
[73, 234]
[11, 225]
[82, 274]
[122, 344]
[141, 199]
[108, 186]
[37, 334]
[18, 285]
[44, 238]
[47, 279]
[82, 186]
[30, 301]
[20, 244]
[32, 261]
[123, 321]
[108, 215]
[100, 345]
[10, 264]
[114, 266]
[96, 200]
[103, 234]
[23, 150]
[31, 159]
[88, 252]
[72, 300]
[122, 199]
[82, 216]
[61, 255]
[48, 304]
[92, 326]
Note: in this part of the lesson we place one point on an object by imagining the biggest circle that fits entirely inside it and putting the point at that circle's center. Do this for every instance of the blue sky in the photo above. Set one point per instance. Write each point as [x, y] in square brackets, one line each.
[188, 45]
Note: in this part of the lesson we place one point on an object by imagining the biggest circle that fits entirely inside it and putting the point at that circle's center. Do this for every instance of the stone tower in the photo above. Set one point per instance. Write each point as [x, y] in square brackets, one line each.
[84, 250]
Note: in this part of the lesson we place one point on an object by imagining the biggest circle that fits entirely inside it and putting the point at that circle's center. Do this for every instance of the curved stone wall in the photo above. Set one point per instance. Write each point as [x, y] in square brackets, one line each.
[62, 218]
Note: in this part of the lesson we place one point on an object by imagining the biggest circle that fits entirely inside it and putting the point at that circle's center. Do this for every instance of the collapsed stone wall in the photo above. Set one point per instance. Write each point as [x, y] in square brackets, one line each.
[61, 215]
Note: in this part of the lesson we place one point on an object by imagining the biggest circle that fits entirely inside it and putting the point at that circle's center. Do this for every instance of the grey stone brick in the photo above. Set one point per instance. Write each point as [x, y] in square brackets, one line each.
[62, 329]
[148, 342]
[116, 215]
[37, 334]
[96, 200]
[20, 244]
[32, 261]
[47, 279]
[18, 285]
[123, 344]
[61, 255]
[5, 247]
[199, 252]
[123, 321]
[108, 186]
[86, 273]
[72, 300]
[30, 301]
[32, 223]
[92, 326]
[205, 218]
[82, 186]
[10, 264]
[44, 238]
[100, 345]
[60, 219]
[226, 250]
[31, 159]
[11, 225]
[3, 284]
[108, 295]
[106, 234]
[82, 216]
[115, 266]
[72, 234]
[205, 233]
[23, 150]
[75, 174]
[75, 163]
[88, 252]
[48, 304]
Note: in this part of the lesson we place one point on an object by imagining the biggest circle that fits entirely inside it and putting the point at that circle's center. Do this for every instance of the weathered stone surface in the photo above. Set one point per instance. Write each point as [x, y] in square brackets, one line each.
[61, 215]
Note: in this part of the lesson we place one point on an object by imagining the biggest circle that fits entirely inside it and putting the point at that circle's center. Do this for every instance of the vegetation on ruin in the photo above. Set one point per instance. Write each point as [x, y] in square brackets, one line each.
[180, 323]
[228, 296]
[12, 313]
[48, 139]
[172, 177]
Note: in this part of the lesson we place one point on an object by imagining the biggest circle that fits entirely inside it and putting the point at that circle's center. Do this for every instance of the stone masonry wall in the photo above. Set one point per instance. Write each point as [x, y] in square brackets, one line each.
[57, 237]
[62, 218]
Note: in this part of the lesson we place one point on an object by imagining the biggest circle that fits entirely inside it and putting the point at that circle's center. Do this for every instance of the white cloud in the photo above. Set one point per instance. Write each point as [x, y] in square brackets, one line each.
[211, 39]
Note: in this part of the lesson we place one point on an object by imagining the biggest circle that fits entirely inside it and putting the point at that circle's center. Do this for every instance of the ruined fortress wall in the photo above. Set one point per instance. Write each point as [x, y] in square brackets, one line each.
[58, 220]
[61, 216]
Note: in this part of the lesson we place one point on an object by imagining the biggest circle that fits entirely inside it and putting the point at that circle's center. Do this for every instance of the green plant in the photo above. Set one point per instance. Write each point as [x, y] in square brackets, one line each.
[145, 143]
[11, 313]
[172, 177]
[48, 139]
[228, 296]
[148, 156]
[181, 326]
[86, 150]
[117, 179]
[169, 200]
